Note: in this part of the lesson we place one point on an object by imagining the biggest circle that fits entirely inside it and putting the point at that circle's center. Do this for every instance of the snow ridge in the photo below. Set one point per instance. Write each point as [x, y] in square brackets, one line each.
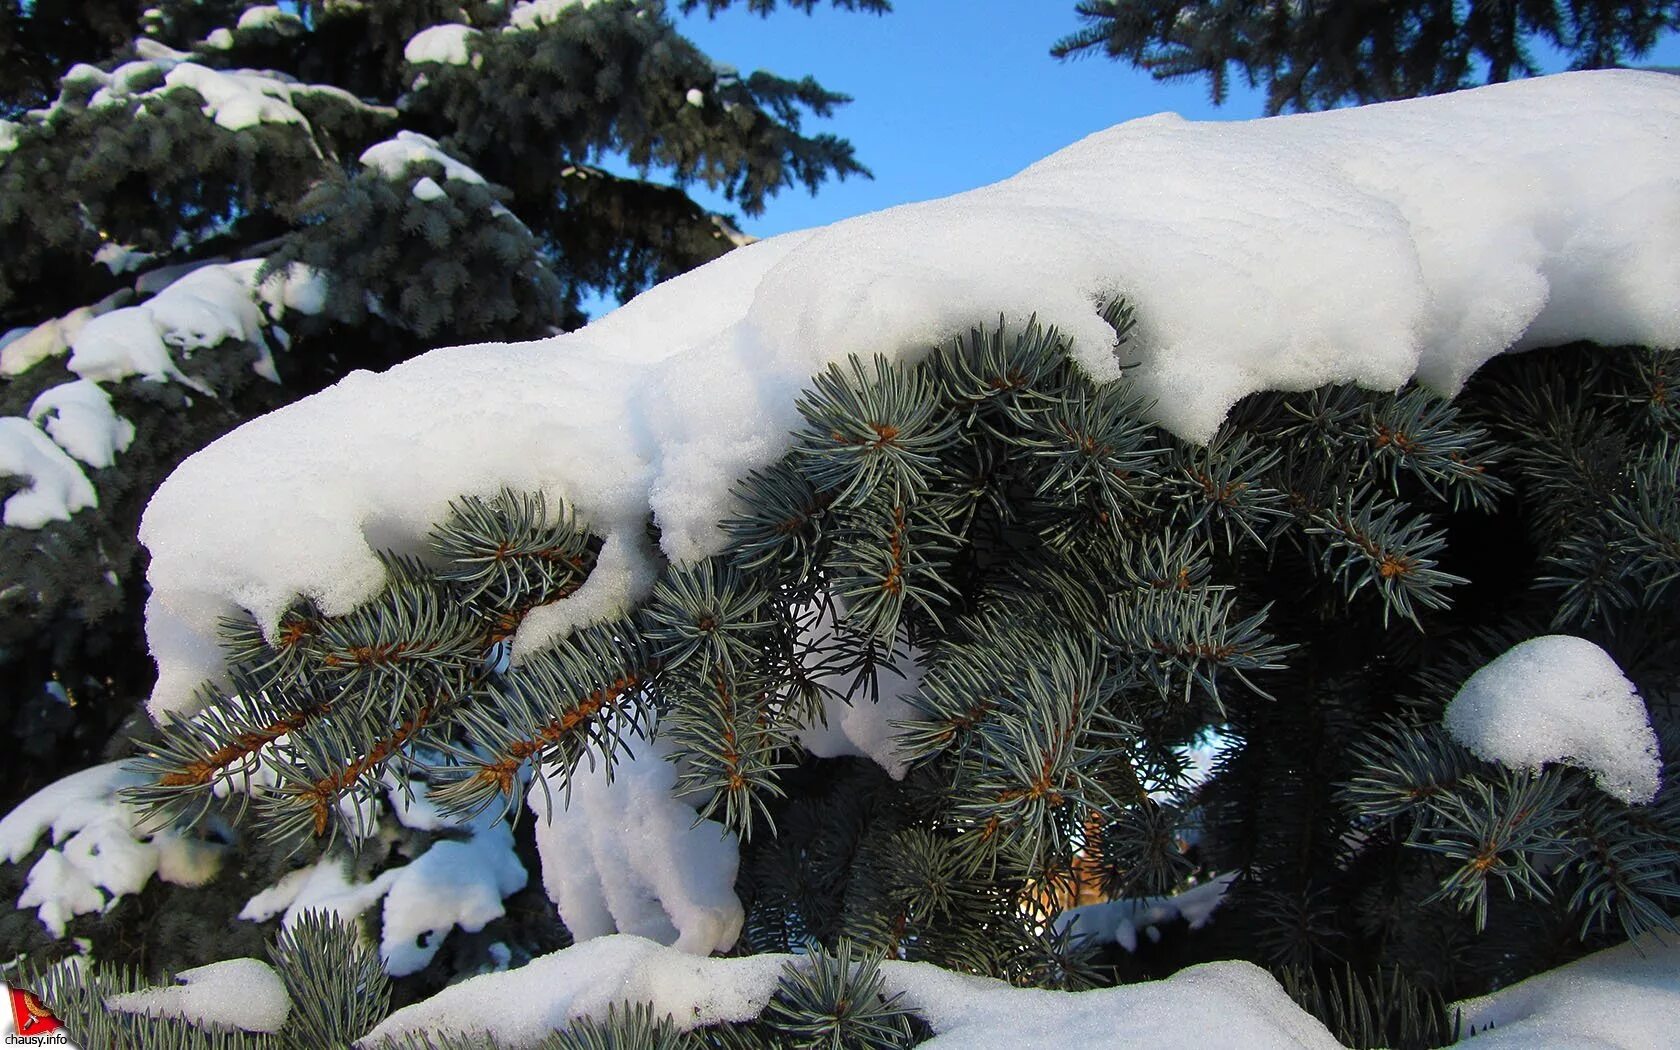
[1409, 240]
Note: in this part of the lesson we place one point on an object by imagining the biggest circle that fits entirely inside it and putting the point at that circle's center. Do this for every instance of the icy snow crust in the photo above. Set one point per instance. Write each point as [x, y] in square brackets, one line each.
[1560, 699]
[1374, 245]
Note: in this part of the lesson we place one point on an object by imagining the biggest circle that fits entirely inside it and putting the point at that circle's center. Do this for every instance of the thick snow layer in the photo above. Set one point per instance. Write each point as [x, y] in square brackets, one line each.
[1234, 1004]
[1623, 998]
[446, 44]
[268, 16]
[238, 100]
[79, 417]
[1119, 922]
[57, 488]
[1371, 245]
[98, 853]
[235, 99]
[19, 353]
[392, 157]
[522, 1006]
[1560, 699]
[622, 854]
[235, 993]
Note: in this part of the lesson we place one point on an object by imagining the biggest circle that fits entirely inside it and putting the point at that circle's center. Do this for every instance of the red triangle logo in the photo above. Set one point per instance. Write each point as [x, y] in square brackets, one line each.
[31, 1017]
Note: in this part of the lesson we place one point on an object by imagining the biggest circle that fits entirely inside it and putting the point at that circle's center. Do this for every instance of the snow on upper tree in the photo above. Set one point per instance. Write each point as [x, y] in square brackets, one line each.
[207, 210]
[831, 628]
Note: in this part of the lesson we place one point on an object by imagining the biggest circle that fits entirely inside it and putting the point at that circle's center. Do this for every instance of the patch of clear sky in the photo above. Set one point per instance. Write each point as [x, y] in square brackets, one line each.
[953, 94]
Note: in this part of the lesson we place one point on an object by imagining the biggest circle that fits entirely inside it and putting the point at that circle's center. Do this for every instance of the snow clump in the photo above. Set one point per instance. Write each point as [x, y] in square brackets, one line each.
[966, 1012]
[234, 993]
[99, 852]
[444, 44]
[623, 854]
[392, 157]
[1560, 699]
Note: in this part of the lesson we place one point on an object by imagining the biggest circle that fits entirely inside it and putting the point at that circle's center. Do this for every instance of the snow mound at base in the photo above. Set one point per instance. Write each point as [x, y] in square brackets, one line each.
[1414, 239]
[1622, 998]
[235, 993]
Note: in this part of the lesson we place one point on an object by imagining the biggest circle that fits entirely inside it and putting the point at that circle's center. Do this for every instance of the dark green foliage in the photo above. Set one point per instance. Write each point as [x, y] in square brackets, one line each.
[1081, 598]
[1371, 1012]
[1314, 56]
[138, 148]
[835, 1003]
[336, 984]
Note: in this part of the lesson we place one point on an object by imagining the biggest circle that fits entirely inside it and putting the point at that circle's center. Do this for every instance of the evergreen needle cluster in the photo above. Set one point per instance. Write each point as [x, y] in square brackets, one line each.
[1079, 598]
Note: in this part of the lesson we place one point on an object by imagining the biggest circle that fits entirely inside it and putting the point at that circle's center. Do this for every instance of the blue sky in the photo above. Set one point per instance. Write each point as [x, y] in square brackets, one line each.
[949, 94]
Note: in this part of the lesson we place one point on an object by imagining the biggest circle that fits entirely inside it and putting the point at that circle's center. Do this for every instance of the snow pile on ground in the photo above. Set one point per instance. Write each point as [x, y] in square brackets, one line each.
[1560, 699]
[522, 1006]
[622, 854]
[99, 854]
[1623, 998]
[445, 44]
[235, 993]
[1214, 1006]
[1119, 922]
[455, 882]
[1373, 245]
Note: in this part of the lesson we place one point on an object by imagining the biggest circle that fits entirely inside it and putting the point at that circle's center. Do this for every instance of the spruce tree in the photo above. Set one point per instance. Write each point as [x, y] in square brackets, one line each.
[1315, 56]
[209, 209]
[1084, 598]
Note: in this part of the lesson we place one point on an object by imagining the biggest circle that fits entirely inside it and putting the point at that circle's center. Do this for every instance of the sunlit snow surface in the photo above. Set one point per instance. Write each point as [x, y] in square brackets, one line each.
[1560, 699]
[1372, 245]
[1231, 1005]
[1623, 998]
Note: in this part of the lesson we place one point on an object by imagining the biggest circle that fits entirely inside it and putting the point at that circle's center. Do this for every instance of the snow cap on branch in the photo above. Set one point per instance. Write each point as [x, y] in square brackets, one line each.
[1560, 699]
[1375, 245]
